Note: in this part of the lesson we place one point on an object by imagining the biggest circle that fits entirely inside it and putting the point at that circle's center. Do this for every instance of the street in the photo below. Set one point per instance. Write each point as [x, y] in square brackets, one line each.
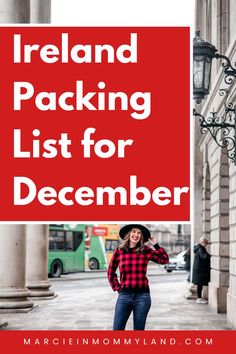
[85, 301]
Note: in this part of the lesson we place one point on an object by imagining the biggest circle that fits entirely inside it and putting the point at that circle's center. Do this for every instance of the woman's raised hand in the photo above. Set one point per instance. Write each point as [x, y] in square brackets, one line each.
[152, 240]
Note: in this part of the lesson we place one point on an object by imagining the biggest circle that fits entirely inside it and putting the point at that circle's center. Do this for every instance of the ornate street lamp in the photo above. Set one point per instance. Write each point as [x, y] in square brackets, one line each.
[222, 128]
[203, 53]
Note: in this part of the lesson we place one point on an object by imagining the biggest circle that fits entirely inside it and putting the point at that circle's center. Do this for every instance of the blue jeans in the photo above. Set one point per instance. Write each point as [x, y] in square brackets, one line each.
[139, 303]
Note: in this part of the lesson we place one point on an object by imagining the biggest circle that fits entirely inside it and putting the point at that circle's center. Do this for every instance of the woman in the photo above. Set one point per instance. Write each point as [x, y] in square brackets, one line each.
[132, 257]
[201, 268]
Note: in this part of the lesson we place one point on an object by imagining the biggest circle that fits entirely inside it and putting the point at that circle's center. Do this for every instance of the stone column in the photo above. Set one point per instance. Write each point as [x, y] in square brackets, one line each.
[40, 11]
[219, 250]
[14, 11]
[206, 205]
[196, 231]
[37, 261]
[13, 293]
[206, 197]
[231, 296]
[198, 155]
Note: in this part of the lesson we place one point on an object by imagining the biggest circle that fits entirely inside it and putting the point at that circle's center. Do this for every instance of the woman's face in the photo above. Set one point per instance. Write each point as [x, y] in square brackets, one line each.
[135, 235]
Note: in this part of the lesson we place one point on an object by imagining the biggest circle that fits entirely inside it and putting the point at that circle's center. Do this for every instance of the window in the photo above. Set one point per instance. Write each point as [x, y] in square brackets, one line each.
[60, 240]
[78, 239]
[111, 245]
[69, 240]
[56, 240]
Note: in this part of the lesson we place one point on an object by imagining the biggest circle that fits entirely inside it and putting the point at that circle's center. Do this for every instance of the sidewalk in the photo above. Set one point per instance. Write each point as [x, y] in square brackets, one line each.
[86, 302]
[171, 310]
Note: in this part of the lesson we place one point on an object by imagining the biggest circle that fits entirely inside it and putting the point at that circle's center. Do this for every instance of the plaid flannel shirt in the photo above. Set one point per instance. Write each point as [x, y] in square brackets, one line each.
[133, 266]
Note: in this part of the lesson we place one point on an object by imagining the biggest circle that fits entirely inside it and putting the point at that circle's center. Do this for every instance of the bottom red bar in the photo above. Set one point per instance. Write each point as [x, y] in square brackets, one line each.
[166, 342]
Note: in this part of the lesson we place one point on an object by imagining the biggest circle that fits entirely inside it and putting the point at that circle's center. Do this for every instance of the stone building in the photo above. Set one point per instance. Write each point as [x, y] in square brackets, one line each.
[215, 174]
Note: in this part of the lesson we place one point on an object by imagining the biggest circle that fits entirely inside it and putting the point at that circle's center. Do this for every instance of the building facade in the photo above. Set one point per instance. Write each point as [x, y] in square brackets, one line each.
[215, 174]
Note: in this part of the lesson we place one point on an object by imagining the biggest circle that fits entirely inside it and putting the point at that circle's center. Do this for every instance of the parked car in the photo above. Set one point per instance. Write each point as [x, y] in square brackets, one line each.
[176, 262]
[172, 265]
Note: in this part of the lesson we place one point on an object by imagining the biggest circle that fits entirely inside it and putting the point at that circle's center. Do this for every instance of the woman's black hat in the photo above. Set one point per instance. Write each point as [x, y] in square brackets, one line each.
[127, 228]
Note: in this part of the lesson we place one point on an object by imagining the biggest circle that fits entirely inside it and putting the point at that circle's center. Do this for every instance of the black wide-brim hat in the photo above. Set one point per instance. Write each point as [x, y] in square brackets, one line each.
[127, 228]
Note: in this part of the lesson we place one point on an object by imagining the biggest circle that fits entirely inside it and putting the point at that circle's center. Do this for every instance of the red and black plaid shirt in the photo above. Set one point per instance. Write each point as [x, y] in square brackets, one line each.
[133, 266]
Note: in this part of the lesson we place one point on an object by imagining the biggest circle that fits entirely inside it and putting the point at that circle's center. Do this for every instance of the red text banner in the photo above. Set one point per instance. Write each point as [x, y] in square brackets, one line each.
[182, 342]
[94, 124]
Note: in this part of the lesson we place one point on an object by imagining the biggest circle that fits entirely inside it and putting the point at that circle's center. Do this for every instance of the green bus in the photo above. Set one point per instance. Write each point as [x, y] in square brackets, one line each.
[79, 247]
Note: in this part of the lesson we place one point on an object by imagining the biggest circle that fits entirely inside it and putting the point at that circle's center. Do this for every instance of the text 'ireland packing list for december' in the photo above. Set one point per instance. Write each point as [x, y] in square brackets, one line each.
[88, 125]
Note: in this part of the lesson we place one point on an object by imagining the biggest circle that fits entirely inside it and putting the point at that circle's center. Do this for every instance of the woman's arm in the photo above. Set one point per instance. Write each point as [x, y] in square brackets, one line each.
[158, 255]
[111, 272]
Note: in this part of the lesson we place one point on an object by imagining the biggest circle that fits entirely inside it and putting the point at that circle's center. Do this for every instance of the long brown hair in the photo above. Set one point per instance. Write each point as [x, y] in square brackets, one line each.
[126, 242]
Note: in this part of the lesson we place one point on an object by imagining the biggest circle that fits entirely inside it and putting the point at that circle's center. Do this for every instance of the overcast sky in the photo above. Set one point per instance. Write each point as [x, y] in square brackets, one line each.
[123, 12]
